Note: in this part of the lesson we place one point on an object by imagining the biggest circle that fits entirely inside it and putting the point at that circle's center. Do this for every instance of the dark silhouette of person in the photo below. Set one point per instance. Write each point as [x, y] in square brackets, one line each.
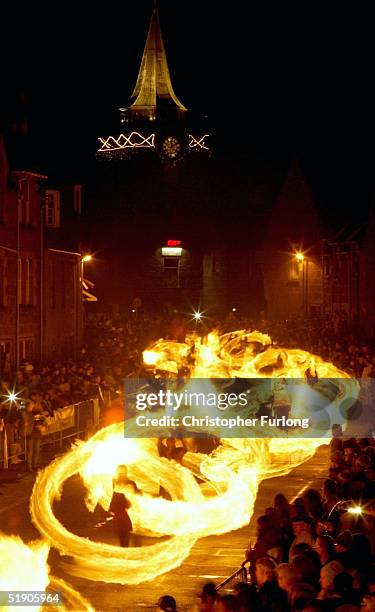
[118, 507]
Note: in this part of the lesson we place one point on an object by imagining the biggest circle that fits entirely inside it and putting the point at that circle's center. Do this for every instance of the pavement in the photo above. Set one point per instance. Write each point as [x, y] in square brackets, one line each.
[212, 558]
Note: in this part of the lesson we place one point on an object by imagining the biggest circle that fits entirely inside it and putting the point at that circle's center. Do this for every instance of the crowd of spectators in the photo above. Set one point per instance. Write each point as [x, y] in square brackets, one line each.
[112, 350]
[315, 554]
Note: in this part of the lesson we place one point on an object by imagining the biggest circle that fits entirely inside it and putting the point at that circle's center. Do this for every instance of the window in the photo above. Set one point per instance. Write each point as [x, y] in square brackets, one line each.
[77, 199]
[172, 272]
[26, 347]
[3, 280]
[52, 208]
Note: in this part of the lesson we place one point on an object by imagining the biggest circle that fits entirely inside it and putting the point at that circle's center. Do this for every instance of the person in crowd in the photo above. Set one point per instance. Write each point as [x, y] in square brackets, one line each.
[268, 594]
[330, 497]
[305, 570]
[227, 603]
[313, 504]
[208, 598]
[13, 425]
[32, 430]
[286, 576]
[167, 603]
[302, 529]
[331, 566]
[301, 595]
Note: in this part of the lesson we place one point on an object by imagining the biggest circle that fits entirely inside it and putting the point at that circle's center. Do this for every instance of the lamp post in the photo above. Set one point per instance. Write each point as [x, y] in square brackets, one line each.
[302, 259]
[84, 259]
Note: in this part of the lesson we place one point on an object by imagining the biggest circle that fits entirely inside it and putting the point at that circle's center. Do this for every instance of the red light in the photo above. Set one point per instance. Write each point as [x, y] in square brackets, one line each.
[173, 243]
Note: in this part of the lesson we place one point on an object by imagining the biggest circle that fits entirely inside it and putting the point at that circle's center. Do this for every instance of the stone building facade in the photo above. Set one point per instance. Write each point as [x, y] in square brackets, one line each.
[31, 329]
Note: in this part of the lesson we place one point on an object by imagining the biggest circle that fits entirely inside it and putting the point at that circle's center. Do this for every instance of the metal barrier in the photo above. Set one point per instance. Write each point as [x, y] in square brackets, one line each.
[86, 420]
[240, 575]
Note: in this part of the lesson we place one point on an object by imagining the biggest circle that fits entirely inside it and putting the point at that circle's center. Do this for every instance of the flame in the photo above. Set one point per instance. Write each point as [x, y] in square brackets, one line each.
[209, 494]
[24, 567]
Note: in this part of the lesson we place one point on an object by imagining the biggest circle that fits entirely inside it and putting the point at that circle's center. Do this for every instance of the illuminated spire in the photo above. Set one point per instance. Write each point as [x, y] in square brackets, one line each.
[154, 87]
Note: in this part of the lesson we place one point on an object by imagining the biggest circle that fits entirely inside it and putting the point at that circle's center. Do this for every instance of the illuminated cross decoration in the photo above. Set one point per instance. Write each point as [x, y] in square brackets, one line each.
[131, 141]
[198, 143]
[154, 103]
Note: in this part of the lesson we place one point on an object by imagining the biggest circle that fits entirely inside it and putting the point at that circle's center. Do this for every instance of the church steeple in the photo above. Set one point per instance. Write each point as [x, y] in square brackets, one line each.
[155, 118]
[153, 89]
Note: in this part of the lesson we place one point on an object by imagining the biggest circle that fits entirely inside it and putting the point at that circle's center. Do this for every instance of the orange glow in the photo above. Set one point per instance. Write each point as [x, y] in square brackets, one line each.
[203, 488]
[299, 256]
[86, 258]
[24, 567]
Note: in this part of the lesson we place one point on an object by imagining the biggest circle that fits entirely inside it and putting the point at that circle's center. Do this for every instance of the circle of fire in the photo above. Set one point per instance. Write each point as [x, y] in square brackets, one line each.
[209, 494]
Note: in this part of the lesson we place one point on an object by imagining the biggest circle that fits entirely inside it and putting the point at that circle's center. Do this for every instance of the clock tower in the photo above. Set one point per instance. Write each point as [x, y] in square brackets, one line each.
[161, 189]
[155, 119]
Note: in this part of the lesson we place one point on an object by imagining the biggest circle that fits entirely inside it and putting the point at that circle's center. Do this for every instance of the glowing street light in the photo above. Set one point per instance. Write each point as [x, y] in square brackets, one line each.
[356, 510]
[197, 315]
[299, 256]
[11, 396]
[86, 258]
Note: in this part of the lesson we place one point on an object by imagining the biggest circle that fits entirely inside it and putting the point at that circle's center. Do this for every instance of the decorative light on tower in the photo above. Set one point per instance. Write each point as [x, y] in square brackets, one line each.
[155, 118]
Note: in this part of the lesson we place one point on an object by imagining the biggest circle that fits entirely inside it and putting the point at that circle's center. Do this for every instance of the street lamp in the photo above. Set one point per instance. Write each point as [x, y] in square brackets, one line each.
[301, 259]
[197, 315]
[84, 259]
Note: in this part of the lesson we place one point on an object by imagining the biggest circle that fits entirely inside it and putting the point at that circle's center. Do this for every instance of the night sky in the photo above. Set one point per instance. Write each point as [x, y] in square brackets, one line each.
[275, 83]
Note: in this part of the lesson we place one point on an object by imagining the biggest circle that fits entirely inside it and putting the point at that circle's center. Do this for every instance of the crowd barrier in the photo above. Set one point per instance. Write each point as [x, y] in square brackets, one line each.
[75, 421]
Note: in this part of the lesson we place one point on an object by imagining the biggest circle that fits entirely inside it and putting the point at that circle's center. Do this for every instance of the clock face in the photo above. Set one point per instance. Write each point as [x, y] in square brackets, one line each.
[171, 147]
